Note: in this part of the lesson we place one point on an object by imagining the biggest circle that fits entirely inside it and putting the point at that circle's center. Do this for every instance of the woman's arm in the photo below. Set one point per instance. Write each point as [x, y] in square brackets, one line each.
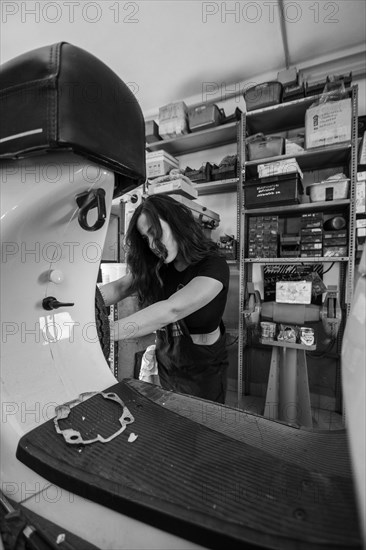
[117, 290]
[196, 294]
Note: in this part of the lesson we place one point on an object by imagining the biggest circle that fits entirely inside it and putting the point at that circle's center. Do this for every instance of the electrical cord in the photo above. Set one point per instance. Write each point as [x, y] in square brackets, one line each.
[329, 268]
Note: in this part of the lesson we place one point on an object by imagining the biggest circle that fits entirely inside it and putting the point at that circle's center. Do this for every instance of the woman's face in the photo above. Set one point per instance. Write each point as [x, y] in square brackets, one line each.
[167, 239]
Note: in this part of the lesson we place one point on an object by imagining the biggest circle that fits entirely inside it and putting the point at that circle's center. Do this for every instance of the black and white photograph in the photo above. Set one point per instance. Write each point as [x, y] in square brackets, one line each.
[183, 275]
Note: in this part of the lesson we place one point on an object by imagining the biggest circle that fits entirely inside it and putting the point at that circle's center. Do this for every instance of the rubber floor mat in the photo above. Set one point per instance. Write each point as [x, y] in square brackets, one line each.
[195, 481]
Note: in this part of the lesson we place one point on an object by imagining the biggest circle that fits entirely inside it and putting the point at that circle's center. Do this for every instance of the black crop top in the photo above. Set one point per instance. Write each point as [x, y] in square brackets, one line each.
[207, 318]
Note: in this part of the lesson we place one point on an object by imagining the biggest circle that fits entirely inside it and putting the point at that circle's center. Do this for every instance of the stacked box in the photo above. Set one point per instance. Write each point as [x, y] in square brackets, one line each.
[361, 193]
[159, 163]
[335, 243]
[311, 235]
[263, 237]
[173, 120]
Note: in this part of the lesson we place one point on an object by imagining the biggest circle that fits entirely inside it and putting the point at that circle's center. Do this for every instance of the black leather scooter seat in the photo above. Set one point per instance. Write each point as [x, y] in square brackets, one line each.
[62, 97]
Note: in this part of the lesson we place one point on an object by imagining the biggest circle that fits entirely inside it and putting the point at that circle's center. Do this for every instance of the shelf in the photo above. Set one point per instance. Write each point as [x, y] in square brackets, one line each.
[280, 344]
[329, 206]
[297, 260]
[197, 141]
[282, 117]
[331, 155]
[222, 186]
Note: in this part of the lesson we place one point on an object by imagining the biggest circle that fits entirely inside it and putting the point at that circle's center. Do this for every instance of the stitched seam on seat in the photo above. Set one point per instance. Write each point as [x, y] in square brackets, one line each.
[31, 84]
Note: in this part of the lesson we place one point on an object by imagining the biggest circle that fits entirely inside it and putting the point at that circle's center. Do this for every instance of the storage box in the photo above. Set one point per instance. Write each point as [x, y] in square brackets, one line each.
[328, 190]
[173, 120]
[152, 131]
[292, 92]
[334, 251]
[236, 115]
[293, 292]
[201, 175]
[362, 151]
[311, 223]
[361, 197]
[227, 168]
[177, 186]
[202, 117]
[295, 145]
[288, 76]
[315, 88]
[261, 147]
[263, 95]
[275, 190]
[328, 123]
[279, 167]
[159, 163]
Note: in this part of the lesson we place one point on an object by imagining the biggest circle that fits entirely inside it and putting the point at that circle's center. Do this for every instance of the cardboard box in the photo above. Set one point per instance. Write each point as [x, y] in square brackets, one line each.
[173, 120]
[328, 123]
[361, 197]
[280, 167]
[293, 292]
[159, 163]
[176, 186]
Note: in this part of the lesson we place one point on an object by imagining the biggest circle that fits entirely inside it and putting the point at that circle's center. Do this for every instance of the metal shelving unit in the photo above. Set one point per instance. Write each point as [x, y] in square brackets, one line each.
[280, 118]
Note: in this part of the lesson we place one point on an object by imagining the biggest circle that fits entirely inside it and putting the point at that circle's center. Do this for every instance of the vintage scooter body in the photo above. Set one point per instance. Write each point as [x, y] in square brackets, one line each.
[63, 156]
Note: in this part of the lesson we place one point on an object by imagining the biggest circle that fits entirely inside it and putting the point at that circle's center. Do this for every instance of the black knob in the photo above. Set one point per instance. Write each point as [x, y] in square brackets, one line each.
[50, 303]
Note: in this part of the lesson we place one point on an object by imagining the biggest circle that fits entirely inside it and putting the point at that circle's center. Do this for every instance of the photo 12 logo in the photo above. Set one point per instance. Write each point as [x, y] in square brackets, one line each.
[69, 11]
[269, 11]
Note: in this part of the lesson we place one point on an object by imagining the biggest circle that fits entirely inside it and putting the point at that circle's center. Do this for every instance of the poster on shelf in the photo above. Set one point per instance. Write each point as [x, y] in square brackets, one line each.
[273, 273]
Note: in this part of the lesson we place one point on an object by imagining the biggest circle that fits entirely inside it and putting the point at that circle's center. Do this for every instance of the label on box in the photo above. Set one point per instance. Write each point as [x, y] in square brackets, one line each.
[328, 123]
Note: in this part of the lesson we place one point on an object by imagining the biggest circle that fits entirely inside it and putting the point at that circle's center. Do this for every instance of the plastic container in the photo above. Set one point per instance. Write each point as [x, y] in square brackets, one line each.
[328, 190]
[202, 117]
[262, 147]
[263, 95]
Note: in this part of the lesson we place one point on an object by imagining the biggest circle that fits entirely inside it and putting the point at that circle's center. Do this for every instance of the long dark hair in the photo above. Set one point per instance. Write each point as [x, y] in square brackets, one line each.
[143, 264]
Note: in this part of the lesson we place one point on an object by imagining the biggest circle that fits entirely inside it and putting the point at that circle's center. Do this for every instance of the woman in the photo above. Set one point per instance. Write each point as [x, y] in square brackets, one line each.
[182, 284]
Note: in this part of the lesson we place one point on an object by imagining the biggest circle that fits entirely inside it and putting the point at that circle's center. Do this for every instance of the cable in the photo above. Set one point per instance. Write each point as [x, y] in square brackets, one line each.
[329, 268]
